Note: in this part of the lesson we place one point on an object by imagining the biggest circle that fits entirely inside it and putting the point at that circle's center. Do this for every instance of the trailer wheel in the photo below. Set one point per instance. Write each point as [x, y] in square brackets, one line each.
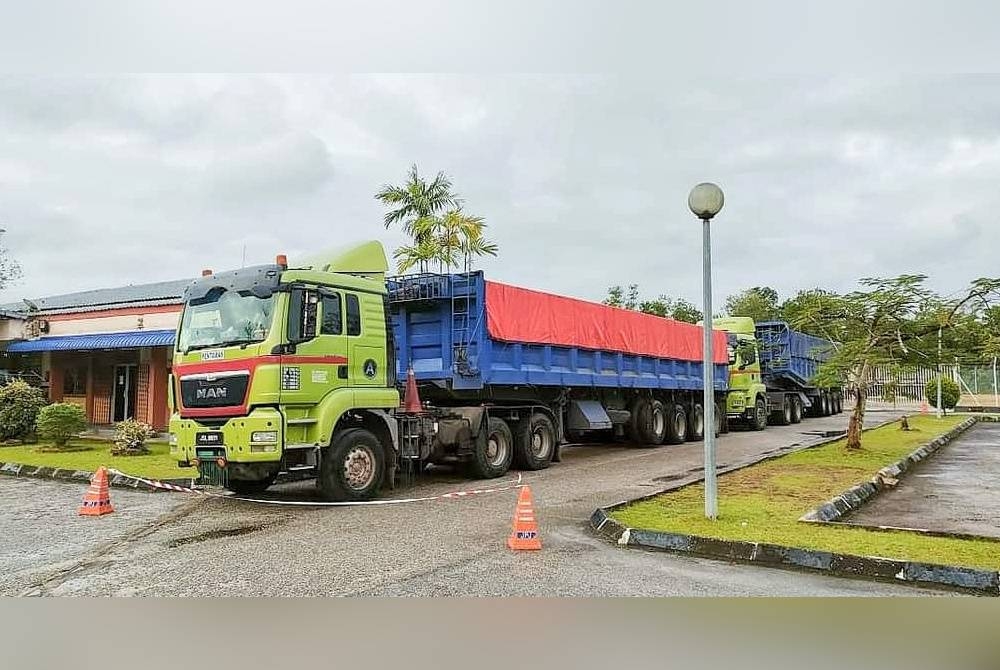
[676, 424]
[535, 442]
[494, 450]
[696, 423]
[759, 421]
[796, 410]
[650, 422]
[352, 467]
[783, 417]
[825, 405]
[839, 403]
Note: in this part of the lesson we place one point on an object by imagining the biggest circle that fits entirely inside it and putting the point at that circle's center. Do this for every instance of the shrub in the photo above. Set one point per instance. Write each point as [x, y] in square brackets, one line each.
[20, 403]
[60, 422]
[130, 437]
[949, 392]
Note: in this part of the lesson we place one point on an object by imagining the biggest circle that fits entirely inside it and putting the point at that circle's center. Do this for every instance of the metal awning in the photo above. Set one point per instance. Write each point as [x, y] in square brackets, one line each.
[132, 339]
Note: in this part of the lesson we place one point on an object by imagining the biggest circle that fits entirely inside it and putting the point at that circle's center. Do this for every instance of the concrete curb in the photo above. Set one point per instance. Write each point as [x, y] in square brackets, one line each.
[970, 580]
[83, 476]
[853, 498]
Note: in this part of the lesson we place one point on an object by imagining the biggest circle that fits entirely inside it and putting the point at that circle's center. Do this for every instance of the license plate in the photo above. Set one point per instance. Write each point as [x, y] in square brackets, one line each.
[209, 439]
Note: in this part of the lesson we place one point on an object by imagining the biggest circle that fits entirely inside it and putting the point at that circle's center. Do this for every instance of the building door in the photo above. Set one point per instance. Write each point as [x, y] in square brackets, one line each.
[123, 395]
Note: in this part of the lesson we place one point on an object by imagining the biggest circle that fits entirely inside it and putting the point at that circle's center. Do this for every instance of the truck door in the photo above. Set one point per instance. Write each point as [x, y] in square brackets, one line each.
[365, 326]
[320, 364]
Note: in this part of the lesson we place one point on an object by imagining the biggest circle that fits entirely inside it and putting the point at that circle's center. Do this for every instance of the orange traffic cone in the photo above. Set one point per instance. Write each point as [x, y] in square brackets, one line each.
[411, 396]
[97, 499]
[524, 534]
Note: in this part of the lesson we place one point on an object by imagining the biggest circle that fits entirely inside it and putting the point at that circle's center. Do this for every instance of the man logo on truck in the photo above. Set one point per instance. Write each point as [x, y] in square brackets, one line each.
[210, 392]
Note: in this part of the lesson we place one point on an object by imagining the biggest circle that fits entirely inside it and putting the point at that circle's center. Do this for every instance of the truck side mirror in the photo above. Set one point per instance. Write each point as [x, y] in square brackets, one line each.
[303, 308]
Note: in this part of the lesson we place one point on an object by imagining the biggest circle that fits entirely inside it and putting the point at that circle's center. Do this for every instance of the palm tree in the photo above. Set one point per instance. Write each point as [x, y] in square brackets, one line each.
[416, 200]
[462, 234]
[418, 254]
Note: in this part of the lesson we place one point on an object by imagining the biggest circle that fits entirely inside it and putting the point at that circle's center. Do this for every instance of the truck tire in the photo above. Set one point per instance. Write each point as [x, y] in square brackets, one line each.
[696, 423]
[534, 443]
[246, 487]
[721, 420]
[676, 424]
[783, 416]
[759, 420]
[840, 403]
[352, 467]
[651, 423]
[796, 409]
[494, 450]
[825, 405]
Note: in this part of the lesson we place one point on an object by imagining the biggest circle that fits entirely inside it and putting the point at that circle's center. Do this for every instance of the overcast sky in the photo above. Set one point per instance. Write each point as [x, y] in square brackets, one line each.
[583, 180]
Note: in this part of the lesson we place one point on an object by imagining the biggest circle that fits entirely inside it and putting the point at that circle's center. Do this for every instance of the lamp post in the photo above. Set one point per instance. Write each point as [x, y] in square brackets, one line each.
[705, 201]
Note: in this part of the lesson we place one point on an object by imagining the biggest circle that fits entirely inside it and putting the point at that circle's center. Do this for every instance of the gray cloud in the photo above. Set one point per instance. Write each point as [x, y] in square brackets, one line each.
[582, 179]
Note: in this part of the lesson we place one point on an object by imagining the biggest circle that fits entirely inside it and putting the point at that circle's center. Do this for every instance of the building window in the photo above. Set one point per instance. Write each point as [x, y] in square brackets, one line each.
[332, 317]
[75, 381]
[353, 315]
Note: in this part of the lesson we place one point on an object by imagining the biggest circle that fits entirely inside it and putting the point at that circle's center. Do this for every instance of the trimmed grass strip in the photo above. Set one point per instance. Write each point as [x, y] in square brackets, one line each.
[763, 502]
[158, 464]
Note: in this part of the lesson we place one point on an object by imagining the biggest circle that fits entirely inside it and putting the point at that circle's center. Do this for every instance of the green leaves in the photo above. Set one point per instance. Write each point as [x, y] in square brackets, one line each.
[431, 214]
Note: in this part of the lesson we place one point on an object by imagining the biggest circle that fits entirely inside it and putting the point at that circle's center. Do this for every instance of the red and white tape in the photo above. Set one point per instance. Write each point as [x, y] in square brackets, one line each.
[514, 484]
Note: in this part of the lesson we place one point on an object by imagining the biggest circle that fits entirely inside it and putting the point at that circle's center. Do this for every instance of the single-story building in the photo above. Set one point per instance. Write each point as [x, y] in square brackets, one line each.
[107, 350]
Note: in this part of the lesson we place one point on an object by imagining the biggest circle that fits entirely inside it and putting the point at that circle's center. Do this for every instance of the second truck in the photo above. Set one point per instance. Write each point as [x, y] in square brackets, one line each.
[301, 368]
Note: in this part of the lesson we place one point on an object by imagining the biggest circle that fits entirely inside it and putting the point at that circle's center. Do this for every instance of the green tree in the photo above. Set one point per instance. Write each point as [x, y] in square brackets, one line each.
[887, 322]
[678, 309]
[432, 215]
[10, 269]
[760, 303]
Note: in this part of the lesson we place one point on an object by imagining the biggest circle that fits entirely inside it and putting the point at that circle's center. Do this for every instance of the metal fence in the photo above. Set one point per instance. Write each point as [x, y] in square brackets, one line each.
[903, 387]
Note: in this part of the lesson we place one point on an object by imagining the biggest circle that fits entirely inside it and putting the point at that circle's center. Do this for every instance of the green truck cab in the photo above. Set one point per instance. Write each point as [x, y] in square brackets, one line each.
[747, 400]
[271, 361]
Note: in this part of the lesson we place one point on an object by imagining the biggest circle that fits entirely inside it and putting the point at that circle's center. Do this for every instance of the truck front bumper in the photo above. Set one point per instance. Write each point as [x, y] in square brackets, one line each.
[246, 447]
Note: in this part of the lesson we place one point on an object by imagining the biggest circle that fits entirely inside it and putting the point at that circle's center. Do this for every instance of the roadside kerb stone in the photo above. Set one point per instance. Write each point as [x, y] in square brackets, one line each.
[972, 580]
[853, 498]
[84, 476]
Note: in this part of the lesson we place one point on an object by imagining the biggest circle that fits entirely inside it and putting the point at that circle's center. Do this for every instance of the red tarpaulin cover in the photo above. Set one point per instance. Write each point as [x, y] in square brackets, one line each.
[516, 314]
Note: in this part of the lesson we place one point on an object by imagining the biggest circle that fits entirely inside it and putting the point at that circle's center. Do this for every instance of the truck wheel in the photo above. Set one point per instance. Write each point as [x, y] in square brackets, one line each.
[651, 423]
[676, 424]
[721, 420]
[494, 450]
[696, 423]
[826, 405]
[783, 417]
[759, 421]
[244, 487]
[647, 424]
[796, 410]
[535, 443]
[351, 468]
[840, 404]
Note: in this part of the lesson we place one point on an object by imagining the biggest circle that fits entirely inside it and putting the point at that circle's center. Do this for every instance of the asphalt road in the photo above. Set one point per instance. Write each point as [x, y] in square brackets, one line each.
[175, 544]
[957, 490]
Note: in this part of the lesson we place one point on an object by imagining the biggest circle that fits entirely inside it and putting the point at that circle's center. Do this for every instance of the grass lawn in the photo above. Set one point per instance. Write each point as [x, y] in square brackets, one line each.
[158, 464]
[762, 503]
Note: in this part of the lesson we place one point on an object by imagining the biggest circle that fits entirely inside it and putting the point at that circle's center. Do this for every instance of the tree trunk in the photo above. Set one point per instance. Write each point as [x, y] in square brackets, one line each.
[855, 425]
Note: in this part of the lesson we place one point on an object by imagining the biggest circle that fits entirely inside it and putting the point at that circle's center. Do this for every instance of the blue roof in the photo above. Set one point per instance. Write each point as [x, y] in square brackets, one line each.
[132, 339]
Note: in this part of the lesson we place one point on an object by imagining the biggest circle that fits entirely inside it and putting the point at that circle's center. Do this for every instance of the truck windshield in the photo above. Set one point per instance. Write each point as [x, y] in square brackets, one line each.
[224, 318]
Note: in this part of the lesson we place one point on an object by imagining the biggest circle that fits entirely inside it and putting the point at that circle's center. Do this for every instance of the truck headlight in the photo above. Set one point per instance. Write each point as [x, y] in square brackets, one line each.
[172, 441]
[264, 436]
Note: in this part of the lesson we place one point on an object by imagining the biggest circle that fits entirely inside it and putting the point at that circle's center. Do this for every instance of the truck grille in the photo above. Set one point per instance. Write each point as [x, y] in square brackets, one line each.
[223, 389]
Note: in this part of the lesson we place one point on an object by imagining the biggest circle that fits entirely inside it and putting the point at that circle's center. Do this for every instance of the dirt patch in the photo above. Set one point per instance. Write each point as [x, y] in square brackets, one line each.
[219, 533]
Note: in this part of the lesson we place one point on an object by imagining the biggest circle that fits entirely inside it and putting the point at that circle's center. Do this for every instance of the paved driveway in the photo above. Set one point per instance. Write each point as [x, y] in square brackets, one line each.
[167, 544]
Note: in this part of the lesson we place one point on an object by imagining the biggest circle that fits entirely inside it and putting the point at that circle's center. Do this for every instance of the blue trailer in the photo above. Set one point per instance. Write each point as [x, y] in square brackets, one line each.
[541, 369]
[789, 360]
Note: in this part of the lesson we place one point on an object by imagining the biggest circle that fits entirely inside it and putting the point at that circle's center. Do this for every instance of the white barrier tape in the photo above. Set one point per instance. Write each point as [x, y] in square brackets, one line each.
[321, 503]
